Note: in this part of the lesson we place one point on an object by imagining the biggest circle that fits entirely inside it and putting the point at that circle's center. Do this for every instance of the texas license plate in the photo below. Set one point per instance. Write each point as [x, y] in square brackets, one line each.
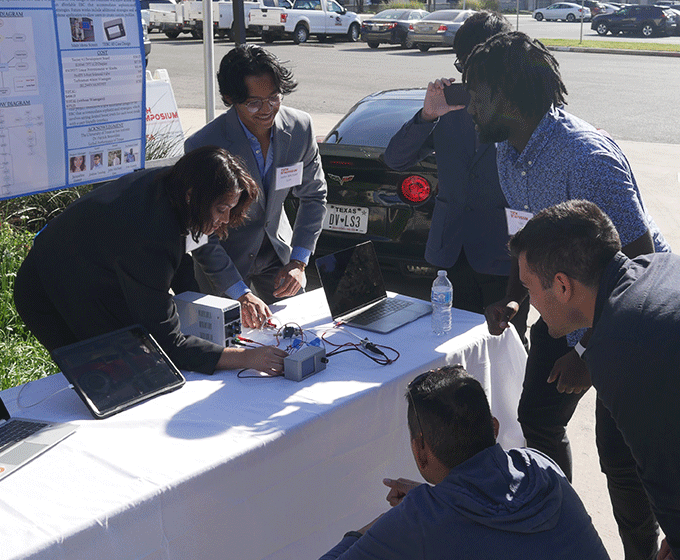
[353, 219]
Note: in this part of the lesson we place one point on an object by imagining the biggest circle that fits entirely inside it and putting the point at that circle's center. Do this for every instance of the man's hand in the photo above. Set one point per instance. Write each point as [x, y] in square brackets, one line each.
[289, 279]
[665, 552]
[398, 489]
[435, 104]
[254, 311]
[267, 359]
[571, 374]
[499, 314]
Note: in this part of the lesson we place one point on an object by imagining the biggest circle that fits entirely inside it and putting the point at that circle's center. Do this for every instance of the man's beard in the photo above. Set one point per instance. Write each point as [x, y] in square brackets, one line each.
[492, 132]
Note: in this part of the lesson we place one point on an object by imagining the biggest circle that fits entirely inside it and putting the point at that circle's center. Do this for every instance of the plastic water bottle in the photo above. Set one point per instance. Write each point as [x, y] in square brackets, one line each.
[442, 298]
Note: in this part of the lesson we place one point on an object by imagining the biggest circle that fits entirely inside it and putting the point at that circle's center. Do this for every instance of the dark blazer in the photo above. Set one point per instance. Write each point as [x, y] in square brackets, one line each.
[107, 262]
[293, 142]
[470, 207]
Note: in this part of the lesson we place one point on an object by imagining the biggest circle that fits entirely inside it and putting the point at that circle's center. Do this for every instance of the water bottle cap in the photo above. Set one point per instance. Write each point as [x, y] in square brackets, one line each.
[441, 273]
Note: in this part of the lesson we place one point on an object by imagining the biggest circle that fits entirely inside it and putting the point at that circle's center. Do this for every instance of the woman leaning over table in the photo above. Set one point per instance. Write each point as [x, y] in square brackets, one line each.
[108, 260]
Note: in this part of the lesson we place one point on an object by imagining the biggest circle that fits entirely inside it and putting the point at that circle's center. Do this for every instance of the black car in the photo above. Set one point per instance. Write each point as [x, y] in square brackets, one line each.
[644, 20]
[367, 199]
[390, 26]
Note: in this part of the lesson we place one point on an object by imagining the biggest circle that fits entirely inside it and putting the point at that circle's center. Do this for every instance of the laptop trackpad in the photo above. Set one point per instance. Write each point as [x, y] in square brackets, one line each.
[21, 452]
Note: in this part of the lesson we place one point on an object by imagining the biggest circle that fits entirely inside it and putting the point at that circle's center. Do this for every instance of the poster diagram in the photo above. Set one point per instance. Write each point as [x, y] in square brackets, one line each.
[18, 71]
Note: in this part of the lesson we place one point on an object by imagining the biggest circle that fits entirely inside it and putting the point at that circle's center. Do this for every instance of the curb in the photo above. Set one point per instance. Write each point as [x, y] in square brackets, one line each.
[616, 51]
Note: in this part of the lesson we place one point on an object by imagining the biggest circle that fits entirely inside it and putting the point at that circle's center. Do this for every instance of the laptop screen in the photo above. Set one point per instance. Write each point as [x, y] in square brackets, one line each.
[351, 279]
[114, 371]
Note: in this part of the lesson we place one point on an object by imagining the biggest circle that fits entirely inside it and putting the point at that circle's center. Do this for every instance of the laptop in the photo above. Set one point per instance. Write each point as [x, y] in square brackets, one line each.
[117, 370]
[23, 439]
[356, 295]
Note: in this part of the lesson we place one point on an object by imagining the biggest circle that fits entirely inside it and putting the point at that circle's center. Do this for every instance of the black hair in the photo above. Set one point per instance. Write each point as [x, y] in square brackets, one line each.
[520, 68]
[453, 412]
[573, 237]
[250, 60]
[477, 29]
[209, 172]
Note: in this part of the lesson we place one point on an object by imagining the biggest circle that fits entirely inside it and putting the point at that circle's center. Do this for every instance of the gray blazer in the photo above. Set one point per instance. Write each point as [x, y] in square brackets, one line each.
[293, 142]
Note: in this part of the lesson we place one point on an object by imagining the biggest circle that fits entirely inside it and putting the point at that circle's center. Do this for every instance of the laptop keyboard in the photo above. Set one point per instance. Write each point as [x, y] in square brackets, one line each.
[17, 430]
[383, 309]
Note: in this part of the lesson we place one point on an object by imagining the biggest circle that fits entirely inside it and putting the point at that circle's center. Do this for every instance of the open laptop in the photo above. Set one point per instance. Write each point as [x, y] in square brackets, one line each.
[117, 370]
[23, 439]
[355, 291]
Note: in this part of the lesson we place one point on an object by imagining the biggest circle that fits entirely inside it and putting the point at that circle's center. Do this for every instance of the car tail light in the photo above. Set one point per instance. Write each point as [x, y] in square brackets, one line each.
[410, 27]
[391, 26]
[284, 18]
[442, 29]
[415, 189]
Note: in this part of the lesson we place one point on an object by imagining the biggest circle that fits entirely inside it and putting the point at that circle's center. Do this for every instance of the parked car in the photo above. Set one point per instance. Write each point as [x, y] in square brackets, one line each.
[561, 11]
[675, 8]
[390, 26]
[610, 8]
[391, 208]
[437, 29]
[644, 20]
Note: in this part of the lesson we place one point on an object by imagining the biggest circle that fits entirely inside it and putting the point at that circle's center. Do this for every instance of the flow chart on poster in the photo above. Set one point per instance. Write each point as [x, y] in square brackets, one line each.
[72, 89]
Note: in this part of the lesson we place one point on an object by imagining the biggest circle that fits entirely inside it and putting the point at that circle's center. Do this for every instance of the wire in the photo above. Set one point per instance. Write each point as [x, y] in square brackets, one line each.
[24, 407]
[364, 347]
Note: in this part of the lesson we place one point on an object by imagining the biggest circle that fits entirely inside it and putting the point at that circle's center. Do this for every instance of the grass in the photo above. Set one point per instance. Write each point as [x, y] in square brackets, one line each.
[626, 45]
[22, 358]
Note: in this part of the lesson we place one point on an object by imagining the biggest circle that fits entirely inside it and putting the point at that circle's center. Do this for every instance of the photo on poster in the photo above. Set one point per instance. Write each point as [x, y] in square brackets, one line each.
[114, 157]
[82, 29]
[77, 163]
[96, 161]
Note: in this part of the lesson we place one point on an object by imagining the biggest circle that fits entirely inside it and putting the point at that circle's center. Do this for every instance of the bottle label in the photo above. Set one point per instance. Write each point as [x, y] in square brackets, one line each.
[443, 297]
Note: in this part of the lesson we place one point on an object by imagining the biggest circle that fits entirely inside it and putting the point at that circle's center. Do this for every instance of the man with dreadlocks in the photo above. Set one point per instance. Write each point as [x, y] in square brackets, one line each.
[546, 156]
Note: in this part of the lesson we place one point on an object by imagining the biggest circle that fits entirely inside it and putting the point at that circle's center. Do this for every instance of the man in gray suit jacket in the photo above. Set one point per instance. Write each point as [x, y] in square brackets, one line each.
[278, 148]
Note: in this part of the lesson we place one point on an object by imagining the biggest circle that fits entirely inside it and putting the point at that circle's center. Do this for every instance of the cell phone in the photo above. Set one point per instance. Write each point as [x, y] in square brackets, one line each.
[456, 94]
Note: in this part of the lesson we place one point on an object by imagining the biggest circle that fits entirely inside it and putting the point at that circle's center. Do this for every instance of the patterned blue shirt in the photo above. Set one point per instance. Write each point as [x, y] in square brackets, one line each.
[567, 158]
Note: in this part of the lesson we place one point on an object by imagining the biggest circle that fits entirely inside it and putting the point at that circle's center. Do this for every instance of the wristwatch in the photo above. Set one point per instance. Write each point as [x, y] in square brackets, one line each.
[298, 261]
[580, 349]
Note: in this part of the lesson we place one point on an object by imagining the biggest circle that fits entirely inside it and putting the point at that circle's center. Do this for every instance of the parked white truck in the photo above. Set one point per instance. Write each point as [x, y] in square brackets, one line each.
[187, 17]
[322, 18]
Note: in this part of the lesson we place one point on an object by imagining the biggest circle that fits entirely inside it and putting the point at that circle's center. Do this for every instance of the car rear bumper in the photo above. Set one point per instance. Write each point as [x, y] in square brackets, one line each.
[430, 40]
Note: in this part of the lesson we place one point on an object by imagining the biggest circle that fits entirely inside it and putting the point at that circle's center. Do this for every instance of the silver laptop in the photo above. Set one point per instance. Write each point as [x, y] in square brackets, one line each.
[355, 291]
[22, 439]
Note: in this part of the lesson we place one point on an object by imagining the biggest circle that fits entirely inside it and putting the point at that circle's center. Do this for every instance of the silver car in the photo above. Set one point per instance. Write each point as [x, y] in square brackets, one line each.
[437, 29]
[566, 11]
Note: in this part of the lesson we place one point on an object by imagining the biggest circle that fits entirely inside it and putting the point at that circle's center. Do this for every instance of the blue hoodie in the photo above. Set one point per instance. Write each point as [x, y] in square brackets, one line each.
[514, 505]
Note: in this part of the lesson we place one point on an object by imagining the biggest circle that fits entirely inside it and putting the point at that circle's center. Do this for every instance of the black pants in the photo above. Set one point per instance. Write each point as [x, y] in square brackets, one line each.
[473, 291]
[544, 414]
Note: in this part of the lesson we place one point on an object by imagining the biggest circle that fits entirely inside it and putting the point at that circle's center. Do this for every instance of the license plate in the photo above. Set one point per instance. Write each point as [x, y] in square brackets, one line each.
[265, 28]
[352, 219]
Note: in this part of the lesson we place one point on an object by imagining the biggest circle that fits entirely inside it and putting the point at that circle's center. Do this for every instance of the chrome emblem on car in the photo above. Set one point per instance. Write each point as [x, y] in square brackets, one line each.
[341, 180]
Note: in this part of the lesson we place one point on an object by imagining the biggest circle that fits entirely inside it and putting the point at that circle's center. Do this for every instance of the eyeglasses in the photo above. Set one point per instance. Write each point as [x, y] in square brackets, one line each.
[410, 386]
[460, 66]
[256, 104]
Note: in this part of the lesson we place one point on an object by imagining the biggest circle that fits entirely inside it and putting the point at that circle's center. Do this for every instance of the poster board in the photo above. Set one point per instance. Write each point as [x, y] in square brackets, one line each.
[72, 93]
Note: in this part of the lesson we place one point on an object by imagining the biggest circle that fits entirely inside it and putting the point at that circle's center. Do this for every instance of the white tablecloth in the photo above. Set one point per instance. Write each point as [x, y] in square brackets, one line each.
[241, 468]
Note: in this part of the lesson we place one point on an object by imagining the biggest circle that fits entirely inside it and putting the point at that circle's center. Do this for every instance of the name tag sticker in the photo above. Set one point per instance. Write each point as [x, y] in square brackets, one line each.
[516, 220]
[290, 176]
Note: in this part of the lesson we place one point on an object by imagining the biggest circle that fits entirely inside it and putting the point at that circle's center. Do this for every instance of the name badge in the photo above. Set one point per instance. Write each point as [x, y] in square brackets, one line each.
[290, 176]
[516, 220]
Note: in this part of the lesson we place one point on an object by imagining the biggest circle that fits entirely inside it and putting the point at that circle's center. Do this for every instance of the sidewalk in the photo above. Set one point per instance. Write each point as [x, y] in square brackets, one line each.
[657, 170]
